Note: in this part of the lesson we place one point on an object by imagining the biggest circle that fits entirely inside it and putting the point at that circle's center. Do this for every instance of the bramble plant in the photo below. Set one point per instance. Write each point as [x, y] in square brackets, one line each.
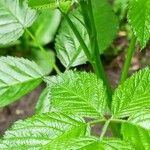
[75, 101]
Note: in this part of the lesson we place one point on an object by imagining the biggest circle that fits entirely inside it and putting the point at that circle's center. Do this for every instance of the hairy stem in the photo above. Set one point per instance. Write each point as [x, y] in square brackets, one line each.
[43, 51]
[130, 53]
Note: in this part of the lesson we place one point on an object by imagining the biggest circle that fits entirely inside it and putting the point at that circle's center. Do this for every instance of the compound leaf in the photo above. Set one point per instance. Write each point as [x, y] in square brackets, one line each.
[79, 93]
[18, 76]
[139, 18]
[15, 17]
[133, 95]
[38, 131]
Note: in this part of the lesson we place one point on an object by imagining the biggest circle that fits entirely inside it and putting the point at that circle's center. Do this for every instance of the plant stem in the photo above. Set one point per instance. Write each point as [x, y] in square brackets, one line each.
[96, 63]
[130, 53]
[43, 51]
[96, 121]
[118, 121]
[115, 128]
[105, 128]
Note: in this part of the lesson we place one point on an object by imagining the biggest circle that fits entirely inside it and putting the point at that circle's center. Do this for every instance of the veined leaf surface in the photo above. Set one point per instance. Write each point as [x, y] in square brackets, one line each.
[15, 17]
[18, 76]
[38, 131]
[139, 18]
[91, 143]
[133, 95]
[79, 93]
[137, 130]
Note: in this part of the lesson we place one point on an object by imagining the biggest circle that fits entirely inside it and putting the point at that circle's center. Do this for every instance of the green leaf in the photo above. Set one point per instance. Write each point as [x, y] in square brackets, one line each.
[139, 18]
[69, 50]
[45, 62]
[18, 76]
[137, 136]
[45, 27]
[40, 130]
[68, 47]
[141, 119]
[120, 7]
[79, 93]
[90, 143]
[133, 95]
[43, 105]
[137, 130]
[106, 23]
[50, 4]
[15, 17]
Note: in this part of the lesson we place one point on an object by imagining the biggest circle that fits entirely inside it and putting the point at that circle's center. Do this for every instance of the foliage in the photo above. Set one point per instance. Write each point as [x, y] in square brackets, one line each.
[50, 4]
[68, 48]
[15, 17]
[139, 20]
[73, 102]
[45, 30]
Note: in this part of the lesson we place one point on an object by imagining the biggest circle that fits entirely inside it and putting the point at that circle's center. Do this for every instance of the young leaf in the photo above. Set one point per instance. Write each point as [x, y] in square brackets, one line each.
[137, 130]
[79, 93]
[90, 143]
[18, 76]
[133, 95]
[38, 131]
[64, 5]
[139, 18]
[106, 23]
[15, 16]
[45, 27]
